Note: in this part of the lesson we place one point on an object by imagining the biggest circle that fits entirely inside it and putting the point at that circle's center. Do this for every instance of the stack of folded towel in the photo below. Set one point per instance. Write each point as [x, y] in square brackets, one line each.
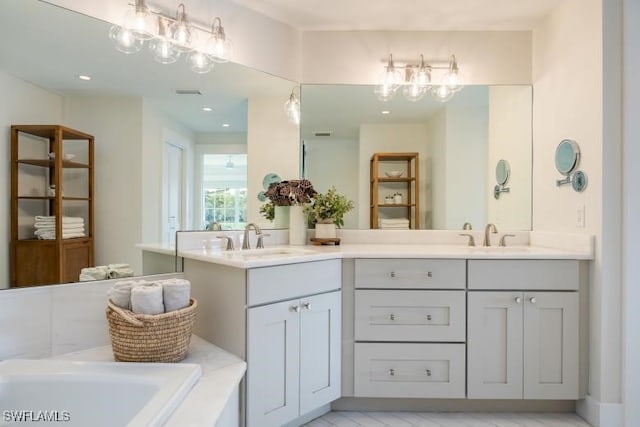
[394, 223]
[46, 227]
[157, 297]
[103, 272]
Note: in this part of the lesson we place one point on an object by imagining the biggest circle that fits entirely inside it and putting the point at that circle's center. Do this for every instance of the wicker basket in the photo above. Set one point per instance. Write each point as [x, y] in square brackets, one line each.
[150, 338]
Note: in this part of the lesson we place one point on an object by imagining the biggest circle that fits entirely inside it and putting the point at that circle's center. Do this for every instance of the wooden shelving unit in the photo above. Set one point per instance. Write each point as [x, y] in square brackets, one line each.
[407, 184]
[59, 260]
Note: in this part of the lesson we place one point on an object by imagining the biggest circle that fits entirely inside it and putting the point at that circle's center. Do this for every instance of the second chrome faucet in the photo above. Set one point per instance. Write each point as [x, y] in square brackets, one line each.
[490, 228]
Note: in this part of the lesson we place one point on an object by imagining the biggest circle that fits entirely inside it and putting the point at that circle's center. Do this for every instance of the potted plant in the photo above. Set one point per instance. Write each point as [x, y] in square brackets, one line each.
[327, 212]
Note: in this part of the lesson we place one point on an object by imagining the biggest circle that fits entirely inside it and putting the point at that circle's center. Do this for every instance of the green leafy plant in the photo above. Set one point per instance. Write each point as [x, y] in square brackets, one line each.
[329, 207]
[268, 210]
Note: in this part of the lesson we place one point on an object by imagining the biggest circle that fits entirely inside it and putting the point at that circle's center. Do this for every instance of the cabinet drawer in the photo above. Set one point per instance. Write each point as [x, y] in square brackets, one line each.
[282, 282]
[409, 370]
[410, 273]
[384, 315]
[524, 274]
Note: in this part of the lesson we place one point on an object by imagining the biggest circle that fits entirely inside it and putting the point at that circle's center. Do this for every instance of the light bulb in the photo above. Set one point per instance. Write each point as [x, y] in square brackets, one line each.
[452, 78]
[384, 92]
[140, 21]
[414, 92]
[292, 108]
[180, 31]
[442, 93]
[219, 47]
[390, 81]
[164, 51]
[200, 62]
[124, 40]
[417, 83]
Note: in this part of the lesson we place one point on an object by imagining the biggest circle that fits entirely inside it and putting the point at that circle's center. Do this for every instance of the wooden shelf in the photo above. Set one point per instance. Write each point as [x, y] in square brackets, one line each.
[49, 163]
[64, 198]
[408, 185]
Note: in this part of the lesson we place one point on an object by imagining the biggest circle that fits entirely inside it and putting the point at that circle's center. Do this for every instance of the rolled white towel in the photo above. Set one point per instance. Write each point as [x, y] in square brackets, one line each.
[176, 293]
[120, 293]
[93, 273]
[147, 299]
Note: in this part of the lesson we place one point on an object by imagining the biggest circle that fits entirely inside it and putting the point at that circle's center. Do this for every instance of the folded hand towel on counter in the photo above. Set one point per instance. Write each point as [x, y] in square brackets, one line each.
[176, 293]
[120, 292]
[147, 299]
[118, 273]
[93, 273]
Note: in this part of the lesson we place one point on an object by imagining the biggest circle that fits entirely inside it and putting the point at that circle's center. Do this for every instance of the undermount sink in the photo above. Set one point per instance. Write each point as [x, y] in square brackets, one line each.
[267, 253]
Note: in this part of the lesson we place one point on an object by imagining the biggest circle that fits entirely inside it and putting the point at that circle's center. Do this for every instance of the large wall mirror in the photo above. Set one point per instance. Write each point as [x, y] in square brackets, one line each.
[458, 142]
[162, 163]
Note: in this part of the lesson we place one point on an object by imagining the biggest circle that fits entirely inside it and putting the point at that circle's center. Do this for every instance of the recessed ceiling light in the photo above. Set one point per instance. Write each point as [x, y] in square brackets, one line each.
[84, 77]
[207, 109]
[225, 125]
[385, 112]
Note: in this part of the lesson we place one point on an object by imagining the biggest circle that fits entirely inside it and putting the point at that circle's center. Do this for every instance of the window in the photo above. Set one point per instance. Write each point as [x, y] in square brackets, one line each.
[224, 190]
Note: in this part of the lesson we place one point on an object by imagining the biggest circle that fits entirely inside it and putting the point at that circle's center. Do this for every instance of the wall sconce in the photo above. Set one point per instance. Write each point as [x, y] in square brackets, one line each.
[416, 82]
[292, 106]
[169, 38]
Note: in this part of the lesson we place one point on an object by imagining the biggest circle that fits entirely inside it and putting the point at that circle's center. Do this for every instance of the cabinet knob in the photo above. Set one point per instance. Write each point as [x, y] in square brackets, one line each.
[518, 300]
[392, 316]
[392, 372]
[533, 300]
[295, 308]
[428, 372]
[392, 274]
[307, 305]
[428, 317]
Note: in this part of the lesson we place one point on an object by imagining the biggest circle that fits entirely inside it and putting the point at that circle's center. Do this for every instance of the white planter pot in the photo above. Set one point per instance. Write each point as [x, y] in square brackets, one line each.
[281, 217]
[325, 231]
[297, 226]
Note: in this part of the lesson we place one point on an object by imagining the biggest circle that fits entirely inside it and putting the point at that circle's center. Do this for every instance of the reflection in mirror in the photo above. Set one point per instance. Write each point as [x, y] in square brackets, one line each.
[458, 143]
[153, 173]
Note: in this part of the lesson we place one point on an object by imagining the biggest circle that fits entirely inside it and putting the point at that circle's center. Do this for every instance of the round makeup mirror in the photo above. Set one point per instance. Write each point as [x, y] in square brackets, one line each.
[567, 156]
[503, 171]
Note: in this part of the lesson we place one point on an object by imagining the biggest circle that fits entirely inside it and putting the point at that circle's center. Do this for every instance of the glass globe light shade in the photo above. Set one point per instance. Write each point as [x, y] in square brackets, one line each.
[442, 93]
[452, 78]
[414, 92]
[140, 21]
[124, 40]
[164, 51]
[384, 92]
[200, 62]
[292, 109]
[181, 33]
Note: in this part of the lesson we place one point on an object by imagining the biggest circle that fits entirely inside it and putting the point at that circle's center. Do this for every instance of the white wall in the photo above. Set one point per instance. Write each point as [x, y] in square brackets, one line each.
[335, 164]
[116, 124]
[568, 76]
[24, 104]
[499, 57]
[509, 132]
[273, 145]
[385, 138]
[437, 159]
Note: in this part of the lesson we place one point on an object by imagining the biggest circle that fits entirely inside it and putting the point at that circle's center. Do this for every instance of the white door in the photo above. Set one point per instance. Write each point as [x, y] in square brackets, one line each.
[273, 351]
[551, 361]
[494, 345]
[172, 192]
[320, 350]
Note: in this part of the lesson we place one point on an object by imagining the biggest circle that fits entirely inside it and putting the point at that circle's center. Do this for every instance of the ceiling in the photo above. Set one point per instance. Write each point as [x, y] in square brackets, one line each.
[405, 15]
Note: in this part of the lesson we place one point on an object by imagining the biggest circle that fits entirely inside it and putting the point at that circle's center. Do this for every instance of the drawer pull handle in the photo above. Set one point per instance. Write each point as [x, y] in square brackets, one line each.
[307, 305]
[518, 300]
[428, 317]
[429, 274]
[428, 372]
[295, 308]
[533, 300]
[392, 316]
[392, 372]
[392, 274]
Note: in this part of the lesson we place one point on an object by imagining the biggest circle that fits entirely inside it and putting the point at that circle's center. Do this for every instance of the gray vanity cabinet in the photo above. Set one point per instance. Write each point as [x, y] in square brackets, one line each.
[523, 343]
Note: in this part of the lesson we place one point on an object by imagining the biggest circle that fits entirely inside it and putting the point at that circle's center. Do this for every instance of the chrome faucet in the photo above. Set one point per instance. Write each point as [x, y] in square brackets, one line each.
[214, 226]
[490, 228]
[245, 241]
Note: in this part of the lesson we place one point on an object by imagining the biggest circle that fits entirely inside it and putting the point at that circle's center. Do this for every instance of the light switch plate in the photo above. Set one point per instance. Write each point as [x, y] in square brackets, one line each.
[580, 222]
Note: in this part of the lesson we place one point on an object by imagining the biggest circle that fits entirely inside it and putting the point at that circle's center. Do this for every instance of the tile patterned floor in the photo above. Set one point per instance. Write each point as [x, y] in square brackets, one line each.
[446, 419]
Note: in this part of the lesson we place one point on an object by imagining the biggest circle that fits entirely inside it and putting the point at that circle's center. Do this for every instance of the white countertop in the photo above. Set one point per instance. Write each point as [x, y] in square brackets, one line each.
[221, 373]
[278, 255]
[160, 248]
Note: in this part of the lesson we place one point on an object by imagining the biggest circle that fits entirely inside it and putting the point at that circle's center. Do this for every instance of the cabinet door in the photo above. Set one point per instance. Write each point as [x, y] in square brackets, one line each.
[494, 345]
[273, 348]
[320, 350]
[551, 334]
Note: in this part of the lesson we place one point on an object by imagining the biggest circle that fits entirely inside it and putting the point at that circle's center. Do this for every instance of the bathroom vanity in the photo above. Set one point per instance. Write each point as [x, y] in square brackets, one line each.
[362, 321]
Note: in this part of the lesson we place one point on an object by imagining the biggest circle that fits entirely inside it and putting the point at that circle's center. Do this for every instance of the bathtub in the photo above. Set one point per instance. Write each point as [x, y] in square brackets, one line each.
[98, 394]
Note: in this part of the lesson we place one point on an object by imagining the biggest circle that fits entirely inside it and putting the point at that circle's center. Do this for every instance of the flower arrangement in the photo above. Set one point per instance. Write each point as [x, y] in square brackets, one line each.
[328, 208]
[287, 193]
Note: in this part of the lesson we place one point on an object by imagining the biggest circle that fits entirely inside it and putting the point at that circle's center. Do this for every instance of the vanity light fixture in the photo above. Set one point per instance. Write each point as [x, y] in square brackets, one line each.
[169, 38]
[416, 82]
[292, 107]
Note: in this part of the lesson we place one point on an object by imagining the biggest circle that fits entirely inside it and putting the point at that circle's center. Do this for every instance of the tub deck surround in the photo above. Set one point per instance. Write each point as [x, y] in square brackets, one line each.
[211, 400]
